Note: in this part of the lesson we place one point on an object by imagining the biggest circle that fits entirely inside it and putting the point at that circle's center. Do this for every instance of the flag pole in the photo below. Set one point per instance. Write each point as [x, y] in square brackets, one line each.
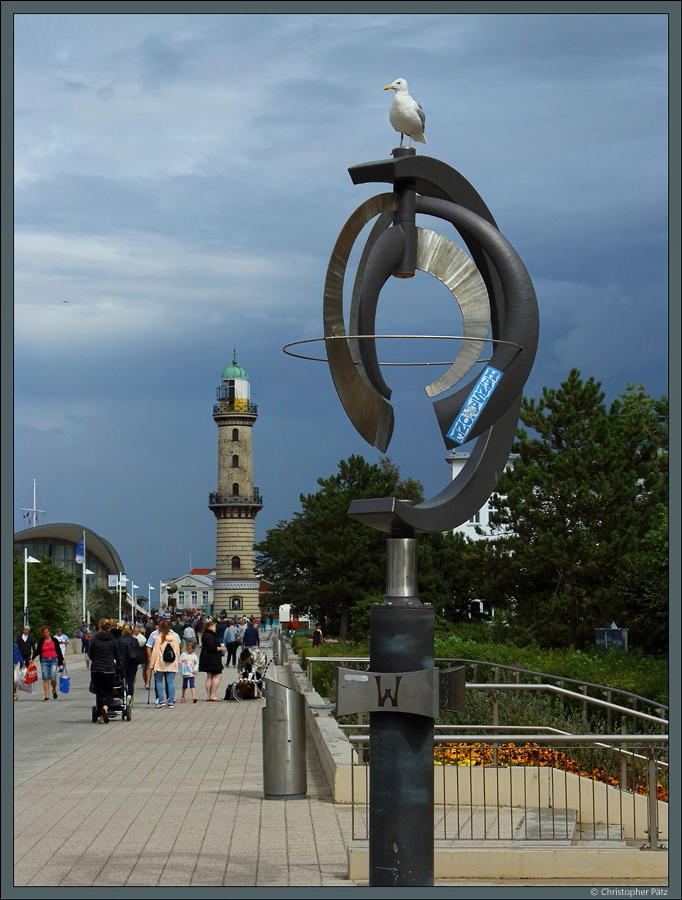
[26, 586]
[84, 587]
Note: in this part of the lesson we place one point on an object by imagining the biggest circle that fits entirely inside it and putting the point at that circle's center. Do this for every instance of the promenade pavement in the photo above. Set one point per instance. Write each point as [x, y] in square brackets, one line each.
[174, 797]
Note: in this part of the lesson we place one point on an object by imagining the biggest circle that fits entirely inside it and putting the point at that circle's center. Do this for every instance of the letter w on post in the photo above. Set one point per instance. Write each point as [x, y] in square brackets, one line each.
[387, 695]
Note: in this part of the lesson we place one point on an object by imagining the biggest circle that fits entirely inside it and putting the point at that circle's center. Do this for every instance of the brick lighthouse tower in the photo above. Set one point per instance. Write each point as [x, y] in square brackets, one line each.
[236, 502]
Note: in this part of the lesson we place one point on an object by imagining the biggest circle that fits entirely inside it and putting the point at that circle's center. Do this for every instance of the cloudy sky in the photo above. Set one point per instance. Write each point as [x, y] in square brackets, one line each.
[180, 181]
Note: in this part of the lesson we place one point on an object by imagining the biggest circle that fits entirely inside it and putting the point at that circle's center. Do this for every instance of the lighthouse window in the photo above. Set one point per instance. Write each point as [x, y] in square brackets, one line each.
[236, 562]
[235, 490]
[235, 434]
[235, 461]
[235, 603]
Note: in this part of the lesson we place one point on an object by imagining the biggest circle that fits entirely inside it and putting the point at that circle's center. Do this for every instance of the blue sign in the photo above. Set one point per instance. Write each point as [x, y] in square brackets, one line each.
[472, 409]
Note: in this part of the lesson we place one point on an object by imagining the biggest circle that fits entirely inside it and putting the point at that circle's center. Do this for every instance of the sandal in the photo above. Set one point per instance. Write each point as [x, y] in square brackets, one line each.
[45, 699]
[54, 695]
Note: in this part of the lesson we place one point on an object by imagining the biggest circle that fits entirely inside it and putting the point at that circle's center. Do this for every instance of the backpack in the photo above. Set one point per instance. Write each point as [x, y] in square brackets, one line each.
[135, 652]
[168, 653]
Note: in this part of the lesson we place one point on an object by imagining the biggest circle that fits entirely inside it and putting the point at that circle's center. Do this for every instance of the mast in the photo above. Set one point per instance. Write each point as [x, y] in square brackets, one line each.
[34, 510]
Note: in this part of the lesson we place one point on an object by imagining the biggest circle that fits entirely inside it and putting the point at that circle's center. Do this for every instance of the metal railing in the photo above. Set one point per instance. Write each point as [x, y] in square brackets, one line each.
[236, 405]
[542, 787]
[218, 499]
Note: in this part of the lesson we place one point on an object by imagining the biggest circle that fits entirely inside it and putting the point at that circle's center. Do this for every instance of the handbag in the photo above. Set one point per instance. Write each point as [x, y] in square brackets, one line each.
[22, 686]
[64, 681]
[31, 675]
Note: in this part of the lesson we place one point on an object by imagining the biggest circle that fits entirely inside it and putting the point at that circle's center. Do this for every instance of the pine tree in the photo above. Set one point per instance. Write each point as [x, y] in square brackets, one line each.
[579, 499]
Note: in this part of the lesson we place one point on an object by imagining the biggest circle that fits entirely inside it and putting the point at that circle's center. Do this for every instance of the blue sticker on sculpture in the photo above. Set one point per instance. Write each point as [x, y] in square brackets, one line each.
[476, 401]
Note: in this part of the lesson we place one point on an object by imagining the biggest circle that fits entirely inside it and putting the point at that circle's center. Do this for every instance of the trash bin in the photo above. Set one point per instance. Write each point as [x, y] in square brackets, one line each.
[284, 759]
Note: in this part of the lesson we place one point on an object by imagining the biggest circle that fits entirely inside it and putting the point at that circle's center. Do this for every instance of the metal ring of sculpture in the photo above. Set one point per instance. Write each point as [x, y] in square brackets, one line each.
[373, 337]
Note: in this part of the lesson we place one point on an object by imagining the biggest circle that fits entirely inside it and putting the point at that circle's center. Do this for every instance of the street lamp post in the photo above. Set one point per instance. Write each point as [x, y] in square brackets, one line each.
[122, 581]
[85, 572]
[132, 605]
[27, 559]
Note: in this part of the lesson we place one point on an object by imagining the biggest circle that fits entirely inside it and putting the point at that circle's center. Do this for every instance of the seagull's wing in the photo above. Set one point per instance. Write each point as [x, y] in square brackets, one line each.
[420, 113]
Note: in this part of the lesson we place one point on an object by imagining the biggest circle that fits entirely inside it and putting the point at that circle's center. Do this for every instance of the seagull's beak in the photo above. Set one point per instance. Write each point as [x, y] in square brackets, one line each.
[388, 87]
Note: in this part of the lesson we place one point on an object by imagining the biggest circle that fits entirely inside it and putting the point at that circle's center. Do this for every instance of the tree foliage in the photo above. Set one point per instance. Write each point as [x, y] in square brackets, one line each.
[49, 590]
[323, 562]
[102, 604]
[581, 504]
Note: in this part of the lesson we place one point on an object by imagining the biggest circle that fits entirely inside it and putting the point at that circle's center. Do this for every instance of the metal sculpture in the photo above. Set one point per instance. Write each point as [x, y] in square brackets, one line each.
[497, 290]
[494, 292]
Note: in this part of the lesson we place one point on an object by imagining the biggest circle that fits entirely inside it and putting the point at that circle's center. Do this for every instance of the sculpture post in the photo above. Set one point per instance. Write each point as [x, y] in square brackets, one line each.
[401, 743]
[403, 691]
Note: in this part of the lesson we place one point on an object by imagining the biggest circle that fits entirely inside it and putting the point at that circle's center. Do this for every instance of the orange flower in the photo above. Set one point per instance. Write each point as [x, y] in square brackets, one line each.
[481, 754]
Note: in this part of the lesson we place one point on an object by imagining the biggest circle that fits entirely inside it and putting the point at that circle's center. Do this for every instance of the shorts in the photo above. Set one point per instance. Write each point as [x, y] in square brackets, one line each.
[187, 682]
[49, 667]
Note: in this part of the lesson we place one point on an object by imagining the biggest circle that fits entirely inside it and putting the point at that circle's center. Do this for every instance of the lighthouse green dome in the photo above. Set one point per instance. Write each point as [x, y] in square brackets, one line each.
[234, 371]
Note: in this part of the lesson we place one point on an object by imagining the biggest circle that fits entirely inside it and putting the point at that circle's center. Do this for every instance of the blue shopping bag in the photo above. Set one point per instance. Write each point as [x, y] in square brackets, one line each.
[64, 682]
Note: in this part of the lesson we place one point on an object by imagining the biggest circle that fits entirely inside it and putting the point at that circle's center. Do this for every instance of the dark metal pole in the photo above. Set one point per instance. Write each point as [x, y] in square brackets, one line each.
[401, 744]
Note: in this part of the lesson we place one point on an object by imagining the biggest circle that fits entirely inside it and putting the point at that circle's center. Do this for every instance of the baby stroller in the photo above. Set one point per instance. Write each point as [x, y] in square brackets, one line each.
[120, 702]
[250, 684]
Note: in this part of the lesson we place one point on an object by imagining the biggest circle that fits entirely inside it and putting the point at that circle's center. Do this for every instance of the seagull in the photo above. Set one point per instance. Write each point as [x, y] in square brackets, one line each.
[405, 114]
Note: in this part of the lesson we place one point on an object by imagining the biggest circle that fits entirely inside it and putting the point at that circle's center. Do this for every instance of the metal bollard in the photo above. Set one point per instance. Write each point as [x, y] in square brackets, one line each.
[277, 651]
[284, 743]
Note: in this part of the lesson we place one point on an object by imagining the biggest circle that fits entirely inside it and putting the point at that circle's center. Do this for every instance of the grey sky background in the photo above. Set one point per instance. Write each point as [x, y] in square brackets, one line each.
[180, 181]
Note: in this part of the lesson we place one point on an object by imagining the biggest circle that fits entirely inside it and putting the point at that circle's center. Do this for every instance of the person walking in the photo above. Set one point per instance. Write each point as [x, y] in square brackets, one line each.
[104, 655]
[152, 632]
[211, 660]
[221, 627]
[131, 656]
[26, 645]
[82, 635]
[164, 663]
[17, 668]
[189, 635]
[63, 640]
[87, 639]
[231, 642]
[51, 658]
[251, 637]
[142, 658]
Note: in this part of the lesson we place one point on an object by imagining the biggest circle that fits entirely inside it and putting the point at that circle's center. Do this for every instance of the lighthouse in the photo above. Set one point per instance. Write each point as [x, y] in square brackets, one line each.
[236, 502]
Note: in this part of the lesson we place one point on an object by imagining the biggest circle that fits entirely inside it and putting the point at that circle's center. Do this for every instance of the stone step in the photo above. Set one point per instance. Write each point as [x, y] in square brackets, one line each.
[548, 825]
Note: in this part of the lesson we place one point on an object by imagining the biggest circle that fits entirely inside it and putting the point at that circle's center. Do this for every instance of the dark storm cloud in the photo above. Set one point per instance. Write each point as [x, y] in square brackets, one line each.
[181, 181]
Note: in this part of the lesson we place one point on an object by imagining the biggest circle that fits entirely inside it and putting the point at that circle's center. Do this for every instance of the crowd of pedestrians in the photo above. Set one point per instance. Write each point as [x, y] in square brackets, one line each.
[158, 647]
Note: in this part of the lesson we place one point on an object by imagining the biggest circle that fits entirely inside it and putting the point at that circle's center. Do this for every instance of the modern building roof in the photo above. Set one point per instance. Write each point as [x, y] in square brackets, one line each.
[101, 548]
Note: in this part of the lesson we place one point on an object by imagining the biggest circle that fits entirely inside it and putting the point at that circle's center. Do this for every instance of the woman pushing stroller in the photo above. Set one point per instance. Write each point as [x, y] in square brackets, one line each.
[105, 655]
